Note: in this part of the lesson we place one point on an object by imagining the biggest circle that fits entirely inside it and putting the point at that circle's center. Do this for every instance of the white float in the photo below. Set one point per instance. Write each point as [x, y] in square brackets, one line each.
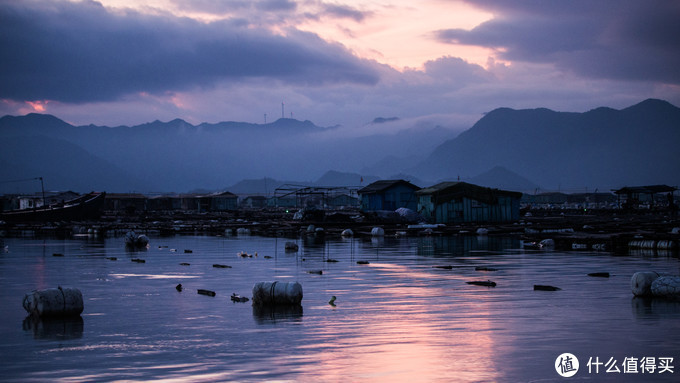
[62, 301]
[277, 293]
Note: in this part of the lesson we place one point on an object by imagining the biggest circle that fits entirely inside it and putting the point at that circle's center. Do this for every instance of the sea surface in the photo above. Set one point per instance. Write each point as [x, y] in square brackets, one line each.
[398, 318]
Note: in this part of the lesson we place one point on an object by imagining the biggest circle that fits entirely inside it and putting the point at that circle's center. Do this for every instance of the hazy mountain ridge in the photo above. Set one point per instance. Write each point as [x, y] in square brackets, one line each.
[600, 148]
[176, 156]
[513, 149]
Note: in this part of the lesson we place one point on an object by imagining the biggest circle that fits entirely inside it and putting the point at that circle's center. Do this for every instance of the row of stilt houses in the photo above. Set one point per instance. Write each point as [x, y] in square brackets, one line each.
[445, 202]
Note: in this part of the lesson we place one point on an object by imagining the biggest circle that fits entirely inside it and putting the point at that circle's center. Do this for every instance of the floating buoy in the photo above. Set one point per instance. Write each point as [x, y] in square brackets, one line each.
[482, 231]
[277, 293]
[61, 301]
[291, 246]
[179, 287]
[666, 287]
[347, 233]
[188, 251]
[185, 264]
[378, 232]
[133, 240]
[332, 301]
[641, 282]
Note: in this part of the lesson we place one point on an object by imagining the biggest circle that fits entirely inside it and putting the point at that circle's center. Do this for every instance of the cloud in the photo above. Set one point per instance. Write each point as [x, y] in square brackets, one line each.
[625, 40]
[344, 11]
[83, 52]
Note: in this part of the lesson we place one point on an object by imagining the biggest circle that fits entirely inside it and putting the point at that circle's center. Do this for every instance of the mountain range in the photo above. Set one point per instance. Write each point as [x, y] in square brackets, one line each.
[521, 150]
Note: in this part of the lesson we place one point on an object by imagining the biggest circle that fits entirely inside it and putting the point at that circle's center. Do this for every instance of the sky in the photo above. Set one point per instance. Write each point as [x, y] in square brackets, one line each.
[344, 62]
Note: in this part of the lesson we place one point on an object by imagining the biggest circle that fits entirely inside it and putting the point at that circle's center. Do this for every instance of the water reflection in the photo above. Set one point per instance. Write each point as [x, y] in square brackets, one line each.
[273, 314]
[463, 244]
[54, 328]
[653, 307]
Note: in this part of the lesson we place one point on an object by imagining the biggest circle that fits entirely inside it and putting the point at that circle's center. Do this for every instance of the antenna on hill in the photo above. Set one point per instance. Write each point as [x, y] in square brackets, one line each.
[282, 115]
[265, 118]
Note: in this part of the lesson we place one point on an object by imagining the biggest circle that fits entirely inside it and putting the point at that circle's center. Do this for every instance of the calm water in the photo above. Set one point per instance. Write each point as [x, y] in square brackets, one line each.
[397, 319]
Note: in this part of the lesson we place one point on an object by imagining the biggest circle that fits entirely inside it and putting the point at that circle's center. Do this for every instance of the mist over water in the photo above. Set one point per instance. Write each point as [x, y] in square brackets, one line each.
[397, 318]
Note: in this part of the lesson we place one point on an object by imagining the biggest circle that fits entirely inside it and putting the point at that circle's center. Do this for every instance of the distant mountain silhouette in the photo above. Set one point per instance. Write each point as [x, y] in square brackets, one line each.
[601, 148]
[509, 149]
[63, 165]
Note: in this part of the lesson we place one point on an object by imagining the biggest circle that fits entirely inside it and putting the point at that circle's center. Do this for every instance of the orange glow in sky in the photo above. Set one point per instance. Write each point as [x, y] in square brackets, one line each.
[37, 106]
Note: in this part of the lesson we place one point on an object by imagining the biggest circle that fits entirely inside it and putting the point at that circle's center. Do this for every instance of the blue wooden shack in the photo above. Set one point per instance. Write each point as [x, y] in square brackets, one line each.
[388, 195]
[461, 202]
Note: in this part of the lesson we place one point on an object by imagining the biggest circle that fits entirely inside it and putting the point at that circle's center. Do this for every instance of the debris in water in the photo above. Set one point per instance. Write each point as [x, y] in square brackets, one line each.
[319, 272]
[332, 301]
[482, 268]
[238, 298]
[206, 292]
[363, 262]
[221, 266]
[184, 264]
[482, 283]
[188, 251]
[57, 255]
[445, 267]
[546, 288]
[179, 287]
[138, 260]
[601, 275]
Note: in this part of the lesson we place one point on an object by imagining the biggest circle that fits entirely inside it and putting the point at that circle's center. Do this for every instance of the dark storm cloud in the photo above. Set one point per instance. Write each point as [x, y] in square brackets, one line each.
[78, 52]
[630, 40]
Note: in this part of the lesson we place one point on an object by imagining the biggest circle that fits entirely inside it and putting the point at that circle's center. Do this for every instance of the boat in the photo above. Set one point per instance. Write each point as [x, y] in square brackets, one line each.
[87, 206]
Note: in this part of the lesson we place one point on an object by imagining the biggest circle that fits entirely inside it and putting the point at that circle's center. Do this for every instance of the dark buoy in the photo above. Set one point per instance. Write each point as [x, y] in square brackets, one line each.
[206, 292]
[179, 287]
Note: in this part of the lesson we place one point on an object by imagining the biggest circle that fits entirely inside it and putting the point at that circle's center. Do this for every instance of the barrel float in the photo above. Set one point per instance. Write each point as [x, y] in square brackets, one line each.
[277, 293]
[666, 287]
[59, 302]
[641, 282]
